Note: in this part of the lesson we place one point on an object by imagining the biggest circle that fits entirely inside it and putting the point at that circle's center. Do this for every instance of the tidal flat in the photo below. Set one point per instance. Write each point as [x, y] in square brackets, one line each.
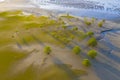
[38, 44]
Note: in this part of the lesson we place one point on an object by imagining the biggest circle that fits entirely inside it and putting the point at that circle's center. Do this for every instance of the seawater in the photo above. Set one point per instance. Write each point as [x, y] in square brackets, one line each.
[103, 9]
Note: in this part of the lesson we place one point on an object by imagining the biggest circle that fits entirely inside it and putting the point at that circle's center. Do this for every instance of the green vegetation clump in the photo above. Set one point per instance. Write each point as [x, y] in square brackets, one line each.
[86, 63]
[75, 28]
[63, 36]
[100, 24]
[67, 16]
[88, 23]
[47, 50]
[92, 53]
[76, 49]
[64, 26]
[65, 40]
[90, 34]
[72, 37]
[92, 42]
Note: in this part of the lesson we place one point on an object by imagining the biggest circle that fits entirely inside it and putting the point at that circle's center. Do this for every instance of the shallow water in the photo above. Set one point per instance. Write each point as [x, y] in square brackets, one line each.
[101, 9]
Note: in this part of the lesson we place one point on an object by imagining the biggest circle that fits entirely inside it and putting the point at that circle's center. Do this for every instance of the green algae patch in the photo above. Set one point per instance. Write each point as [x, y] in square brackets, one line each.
[27, 29]
[8, 56]
[28, 74]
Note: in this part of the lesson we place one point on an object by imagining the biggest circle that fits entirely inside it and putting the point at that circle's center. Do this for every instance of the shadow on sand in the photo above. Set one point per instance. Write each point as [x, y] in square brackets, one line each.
[63, 66]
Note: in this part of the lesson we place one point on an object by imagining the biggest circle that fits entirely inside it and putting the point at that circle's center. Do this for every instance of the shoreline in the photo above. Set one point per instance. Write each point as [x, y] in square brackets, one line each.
[77, 12]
